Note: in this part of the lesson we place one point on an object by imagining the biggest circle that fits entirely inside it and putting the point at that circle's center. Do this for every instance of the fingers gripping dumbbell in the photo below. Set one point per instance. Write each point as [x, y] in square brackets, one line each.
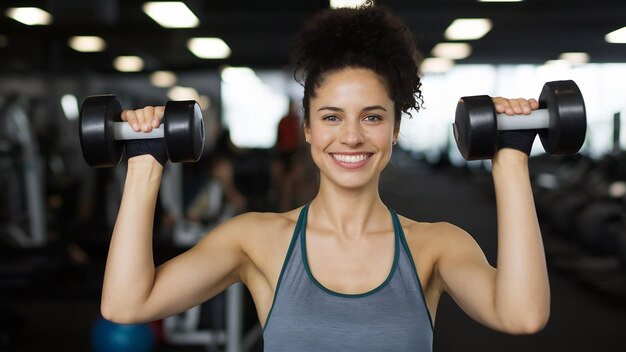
[560, 121]
[102, 133]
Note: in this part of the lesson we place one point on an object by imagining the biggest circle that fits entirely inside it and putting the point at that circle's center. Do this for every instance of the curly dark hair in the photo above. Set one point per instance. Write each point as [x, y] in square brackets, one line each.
[368, 37]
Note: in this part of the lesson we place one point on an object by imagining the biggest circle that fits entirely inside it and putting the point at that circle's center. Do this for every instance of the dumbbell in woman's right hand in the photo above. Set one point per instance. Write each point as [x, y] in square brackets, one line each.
[105, 131]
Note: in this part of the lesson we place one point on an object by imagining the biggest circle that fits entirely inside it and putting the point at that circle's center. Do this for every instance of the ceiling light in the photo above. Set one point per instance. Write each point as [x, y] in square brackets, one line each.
[468, 28]
[183, 93]
[617, 36]
[87, 44]
[436, 65]
[70, 106]
[163, 79]
[128, 63]
[454, 51]
[558, 64]
[208, 48]
[243, 76]
[575, 58]
[30, 16]
[4, 41]
[171, 14]
[335, 4]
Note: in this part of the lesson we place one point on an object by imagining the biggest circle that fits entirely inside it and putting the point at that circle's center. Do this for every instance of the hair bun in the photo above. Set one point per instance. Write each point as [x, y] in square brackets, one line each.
[368, 37]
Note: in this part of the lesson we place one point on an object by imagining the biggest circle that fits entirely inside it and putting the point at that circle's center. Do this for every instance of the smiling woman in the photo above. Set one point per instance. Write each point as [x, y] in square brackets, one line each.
[351, 127]
[344, 272]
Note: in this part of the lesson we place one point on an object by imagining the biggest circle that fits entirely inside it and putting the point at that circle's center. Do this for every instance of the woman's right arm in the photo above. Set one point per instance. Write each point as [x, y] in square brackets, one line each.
[129, 273]
[134, 290]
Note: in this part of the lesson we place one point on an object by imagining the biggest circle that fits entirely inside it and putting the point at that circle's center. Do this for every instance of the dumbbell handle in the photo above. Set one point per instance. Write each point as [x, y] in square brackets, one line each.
[123, 131]
[536, 120]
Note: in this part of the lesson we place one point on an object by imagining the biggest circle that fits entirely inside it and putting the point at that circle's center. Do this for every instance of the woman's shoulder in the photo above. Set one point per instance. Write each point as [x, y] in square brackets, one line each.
[262, 226]
[262, 235]
[433, 233]
[262, 220]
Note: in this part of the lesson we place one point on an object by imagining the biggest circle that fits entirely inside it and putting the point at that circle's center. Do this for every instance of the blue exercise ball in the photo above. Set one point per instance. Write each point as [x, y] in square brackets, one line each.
[111, 337]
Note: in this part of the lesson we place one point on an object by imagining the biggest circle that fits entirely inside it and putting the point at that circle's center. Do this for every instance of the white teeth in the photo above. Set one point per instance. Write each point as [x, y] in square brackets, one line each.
[350, 158]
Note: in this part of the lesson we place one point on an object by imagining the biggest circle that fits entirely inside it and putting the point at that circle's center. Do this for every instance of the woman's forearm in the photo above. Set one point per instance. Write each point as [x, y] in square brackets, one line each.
[522, 296]
[129, 272]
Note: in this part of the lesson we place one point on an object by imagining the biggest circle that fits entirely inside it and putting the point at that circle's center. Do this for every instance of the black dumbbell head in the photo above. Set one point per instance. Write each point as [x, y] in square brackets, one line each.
[475, 127]
[184, 131]
[98, 114]
[568, 119]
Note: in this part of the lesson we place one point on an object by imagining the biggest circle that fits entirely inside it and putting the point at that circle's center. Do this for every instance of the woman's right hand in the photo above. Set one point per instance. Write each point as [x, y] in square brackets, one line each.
[144, 119]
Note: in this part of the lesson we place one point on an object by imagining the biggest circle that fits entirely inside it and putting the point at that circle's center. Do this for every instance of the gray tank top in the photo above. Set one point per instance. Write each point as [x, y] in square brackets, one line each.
[306, 316]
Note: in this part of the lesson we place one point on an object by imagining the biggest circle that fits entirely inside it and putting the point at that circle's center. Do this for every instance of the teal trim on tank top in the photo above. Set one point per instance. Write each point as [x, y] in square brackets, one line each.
[305, 261]
[294, 237]
[396, 221]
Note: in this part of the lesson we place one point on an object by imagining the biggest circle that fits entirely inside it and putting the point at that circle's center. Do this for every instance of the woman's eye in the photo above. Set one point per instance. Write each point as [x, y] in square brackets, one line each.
[372, 118]
[331, 118]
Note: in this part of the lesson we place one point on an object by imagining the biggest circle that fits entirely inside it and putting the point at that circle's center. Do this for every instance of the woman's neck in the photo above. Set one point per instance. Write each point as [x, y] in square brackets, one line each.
[349, 213]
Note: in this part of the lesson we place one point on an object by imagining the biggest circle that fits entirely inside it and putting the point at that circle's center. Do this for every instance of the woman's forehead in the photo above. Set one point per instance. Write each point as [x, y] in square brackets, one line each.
[351, 85]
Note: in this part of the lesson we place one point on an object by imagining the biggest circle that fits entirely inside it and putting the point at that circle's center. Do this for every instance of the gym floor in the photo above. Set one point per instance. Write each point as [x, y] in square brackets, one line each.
[57, 313]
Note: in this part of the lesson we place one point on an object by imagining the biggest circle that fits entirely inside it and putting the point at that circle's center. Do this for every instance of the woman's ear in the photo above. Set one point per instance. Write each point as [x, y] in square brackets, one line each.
[396, 131]
[307, 132]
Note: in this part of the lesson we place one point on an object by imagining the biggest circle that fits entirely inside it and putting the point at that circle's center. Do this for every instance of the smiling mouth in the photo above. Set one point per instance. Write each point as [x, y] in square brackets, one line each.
[351, 158]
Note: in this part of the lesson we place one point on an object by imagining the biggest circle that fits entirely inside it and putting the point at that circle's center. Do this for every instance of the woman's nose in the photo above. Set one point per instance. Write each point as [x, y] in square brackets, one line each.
[352, 134]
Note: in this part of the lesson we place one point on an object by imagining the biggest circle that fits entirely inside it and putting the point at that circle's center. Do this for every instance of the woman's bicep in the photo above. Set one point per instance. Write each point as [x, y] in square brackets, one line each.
[467, 276]
[197, 274]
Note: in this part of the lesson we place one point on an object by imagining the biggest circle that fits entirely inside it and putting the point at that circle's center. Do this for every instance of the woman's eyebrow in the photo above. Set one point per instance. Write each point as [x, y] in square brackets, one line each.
[367, 108]
[374, 107]
[331, 108]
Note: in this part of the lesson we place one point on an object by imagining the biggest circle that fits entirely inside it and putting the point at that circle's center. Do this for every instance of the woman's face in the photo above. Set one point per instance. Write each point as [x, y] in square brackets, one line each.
[351, 127]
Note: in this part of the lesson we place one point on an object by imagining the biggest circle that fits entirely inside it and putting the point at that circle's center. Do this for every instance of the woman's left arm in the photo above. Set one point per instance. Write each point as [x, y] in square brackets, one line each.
[515, 296]
[522, 291]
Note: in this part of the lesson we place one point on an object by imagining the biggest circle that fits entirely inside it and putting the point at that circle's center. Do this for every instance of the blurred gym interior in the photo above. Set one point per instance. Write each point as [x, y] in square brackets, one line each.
[57, 212]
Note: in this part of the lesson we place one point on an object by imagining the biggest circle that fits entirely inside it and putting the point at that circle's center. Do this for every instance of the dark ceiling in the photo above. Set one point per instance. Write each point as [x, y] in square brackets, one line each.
[259, 32]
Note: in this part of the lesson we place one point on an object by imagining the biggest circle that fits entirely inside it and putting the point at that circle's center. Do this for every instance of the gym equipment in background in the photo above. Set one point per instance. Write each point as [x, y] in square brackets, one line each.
[23, 216]
[111, 337]
[185, 328]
